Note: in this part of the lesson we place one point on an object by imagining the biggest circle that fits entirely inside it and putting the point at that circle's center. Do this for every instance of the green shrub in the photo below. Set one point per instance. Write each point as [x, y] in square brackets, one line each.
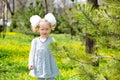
[21, 19]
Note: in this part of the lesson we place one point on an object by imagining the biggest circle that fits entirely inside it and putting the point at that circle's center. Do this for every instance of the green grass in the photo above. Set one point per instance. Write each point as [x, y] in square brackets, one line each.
[69, 54]
[14, 51]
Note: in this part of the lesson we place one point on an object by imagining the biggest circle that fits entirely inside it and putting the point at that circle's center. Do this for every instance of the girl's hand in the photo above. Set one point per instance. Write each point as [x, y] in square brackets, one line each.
[31, 67]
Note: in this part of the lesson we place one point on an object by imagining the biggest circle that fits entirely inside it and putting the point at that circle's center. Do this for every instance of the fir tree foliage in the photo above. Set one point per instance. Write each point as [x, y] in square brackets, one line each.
[103, 26]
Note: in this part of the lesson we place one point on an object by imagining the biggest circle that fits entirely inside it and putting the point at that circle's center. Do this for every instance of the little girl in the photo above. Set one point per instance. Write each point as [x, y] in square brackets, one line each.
[41, 61]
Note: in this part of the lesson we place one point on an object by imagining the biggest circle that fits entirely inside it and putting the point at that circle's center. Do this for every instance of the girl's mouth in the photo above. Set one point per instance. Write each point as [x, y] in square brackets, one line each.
[45, 34]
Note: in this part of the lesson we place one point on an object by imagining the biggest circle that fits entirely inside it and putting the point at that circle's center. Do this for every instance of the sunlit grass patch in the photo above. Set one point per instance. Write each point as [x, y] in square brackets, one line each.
[70, 57]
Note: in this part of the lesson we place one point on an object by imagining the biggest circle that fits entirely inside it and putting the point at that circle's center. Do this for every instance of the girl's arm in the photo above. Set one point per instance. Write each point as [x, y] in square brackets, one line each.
[32, 52]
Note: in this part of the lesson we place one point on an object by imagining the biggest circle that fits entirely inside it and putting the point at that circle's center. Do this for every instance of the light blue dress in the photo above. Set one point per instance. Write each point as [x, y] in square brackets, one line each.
[42, 59]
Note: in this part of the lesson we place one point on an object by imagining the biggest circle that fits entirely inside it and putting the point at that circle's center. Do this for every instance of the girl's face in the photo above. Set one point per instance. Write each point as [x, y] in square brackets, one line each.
[44, 29]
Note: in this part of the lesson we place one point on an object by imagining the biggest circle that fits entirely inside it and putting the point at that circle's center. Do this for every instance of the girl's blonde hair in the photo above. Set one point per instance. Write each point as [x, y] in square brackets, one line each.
[35, 21]
[36, 29]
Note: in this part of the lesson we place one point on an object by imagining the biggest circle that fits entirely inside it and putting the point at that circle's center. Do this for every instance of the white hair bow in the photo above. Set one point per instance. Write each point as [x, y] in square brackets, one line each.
[35, 19]
[50, 18]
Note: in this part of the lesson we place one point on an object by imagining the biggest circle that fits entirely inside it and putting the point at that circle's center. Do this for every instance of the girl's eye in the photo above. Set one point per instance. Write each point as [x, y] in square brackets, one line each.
[42, 29]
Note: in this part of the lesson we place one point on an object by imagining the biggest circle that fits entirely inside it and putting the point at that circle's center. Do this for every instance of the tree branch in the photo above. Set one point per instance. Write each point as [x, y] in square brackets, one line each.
[94, 63]
[95, 25]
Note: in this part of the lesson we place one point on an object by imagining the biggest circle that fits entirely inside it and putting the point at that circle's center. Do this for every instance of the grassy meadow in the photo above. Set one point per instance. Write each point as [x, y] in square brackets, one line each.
[14, 52]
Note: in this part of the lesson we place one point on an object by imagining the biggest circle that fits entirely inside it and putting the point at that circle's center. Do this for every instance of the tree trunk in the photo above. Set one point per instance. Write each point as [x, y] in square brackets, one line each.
[95, 3]
[46, 7]
[90, 42]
